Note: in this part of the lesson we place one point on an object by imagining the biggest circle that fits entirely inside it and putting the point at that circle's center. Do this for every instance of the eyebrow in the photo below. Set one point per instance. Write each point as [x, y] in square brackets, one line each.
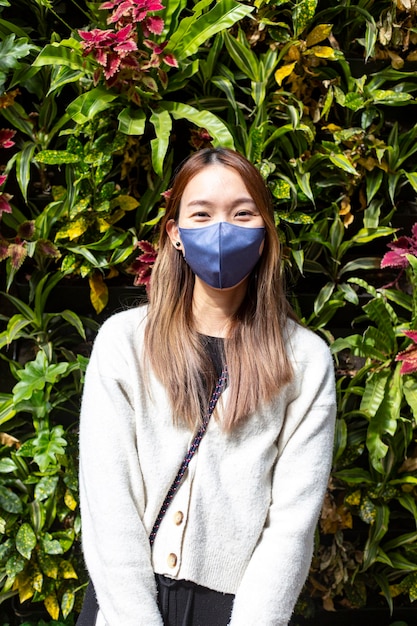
[208, 203]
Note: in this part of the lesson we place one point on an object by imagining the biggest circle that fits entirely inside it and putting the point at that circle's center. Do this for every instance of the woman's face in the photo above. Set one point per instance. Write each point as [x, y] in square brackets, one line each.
[218, 194]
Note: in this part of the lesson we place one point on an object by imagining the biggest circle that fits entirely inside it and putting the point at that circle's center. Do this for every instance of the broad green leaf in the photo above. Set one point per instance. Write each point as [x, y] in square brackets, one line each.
[342, 162]
[89, 104]
[14, 565]
[132, 121]
[354, 476]
[25, 540]
[203, 119]
[384, 422]
[162, 123]
[46, 487]
[35, 375]
[7, 466]
[67, 52]
[388, 96]
[384, 316]
[9, 501]
[50, 545]
[56, 157]
[48, 444]
[374, 392]
[192, 32]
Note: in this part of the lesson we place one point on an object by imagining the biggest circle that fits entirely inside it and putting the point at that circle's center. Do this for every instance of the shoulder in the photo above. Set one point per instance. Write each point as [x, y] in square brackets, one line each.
[121, 333]
[306, 347]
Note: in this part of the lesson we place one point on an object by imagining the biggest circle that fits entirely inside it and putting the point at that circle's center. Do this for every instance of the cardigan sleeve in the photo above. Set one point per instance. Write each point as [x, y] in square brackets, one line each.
[112, 493]
[280, 562]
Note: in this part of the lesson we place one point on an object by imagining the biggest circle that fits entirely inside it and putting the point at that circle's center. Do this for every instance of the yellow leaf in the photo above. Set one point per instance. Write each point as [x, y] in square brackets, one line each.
[24, 584]
[322, 52]
[52, 606]
[320, 32]
[70, 501]
[37, 580]
[66, 570]
[332, 128]
[127, 203]
[72, 230]
[99, 294]
[103, 225]
[283, 72]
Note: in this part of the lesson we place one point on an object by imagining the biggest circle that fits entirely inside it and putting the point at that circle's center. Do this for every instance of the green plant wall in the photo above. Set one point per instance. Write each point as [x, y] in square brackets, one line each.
[97, 113]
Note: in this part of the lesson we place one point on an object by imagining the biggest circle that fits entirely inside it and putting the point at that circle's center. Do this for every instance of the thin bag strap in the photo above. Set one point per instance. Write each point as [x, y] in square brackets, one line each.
[221, 383]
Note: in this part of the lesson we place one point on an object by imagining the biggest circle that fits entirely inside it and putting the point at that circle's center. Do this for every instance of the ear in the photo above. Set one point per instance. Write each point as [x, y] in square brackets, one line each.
[174, 235]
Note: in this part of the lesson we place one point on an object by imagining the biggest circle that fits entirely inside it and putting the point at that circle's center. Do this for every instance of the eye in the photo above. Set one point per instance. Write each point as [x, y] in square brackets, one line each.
[245, 214]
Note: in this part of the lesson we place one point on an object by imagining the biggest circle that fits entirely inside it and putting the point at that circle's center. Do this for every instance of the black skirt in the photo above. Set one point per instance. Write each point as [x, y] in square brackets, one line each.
[180, 602]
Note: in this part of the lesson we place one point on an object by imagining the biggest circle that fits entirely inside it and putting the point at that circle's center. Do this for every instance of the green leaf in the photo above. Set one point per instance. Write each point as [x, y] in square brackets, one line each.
[410, 393]
[67, 52]
[343, 163]
[384, 422]
[194, 31]
[46, 487]
[244, 58]
[7, 466]
[56, 157]
[47, 445]
[35, 375]
[89, 104]
[162, 123]
[132, 121]
[374, 392]
[25, 540]
[9, 501]
[355, 476]
[50, 545]
[203, 119]
[377, 532]
[323, 297]
[23, 165]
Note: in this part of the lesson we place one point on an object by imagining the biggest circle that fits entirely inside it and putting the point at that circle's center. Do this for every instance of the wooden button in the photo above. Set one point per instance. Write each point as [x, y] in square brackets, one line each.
[178, 517]
[172, 559]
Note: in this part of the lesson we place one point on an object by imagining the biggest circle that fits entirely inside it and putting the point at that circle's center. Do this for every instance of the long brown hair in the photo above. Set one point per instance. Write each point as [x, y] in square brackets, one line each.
[255, 353]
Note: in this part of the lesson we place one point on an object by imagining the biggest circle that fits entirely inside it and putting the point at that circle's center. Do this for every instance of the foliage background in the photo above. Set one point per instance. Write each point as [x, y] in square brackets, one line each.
[99, 105]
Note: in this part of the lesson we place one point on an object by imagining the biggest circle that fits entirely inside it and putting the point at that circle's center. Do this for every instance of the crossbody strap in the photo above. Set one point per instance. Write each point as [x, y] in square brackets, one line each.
[221, 383]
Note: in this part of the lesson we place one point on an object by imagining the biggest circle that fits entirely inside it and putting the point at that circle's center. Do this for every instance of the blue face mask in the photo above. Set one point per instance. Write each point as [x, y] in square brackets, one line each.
[222, 254]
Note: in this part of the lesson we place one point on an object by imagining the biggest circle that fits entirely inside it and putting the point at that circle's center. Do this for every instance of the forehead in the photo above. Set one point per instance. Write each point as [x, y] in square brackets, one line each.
[214, 181]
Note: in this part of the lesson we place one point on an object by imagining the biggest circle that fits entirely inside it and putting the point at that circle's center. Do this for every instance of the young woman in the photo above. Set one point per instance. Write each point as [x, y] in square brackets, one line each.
[235, 543]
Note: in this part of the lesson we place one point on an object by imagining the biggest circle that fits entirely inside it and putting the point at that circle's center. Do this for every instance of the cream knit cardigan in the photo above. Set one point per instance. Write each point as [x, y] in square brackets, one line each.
[243, 520]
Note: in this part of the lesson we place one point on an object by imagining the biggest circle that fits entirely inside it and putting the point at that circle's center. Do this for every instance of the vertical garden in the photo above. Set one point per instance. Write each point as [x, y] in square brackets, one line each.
[99, 102]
